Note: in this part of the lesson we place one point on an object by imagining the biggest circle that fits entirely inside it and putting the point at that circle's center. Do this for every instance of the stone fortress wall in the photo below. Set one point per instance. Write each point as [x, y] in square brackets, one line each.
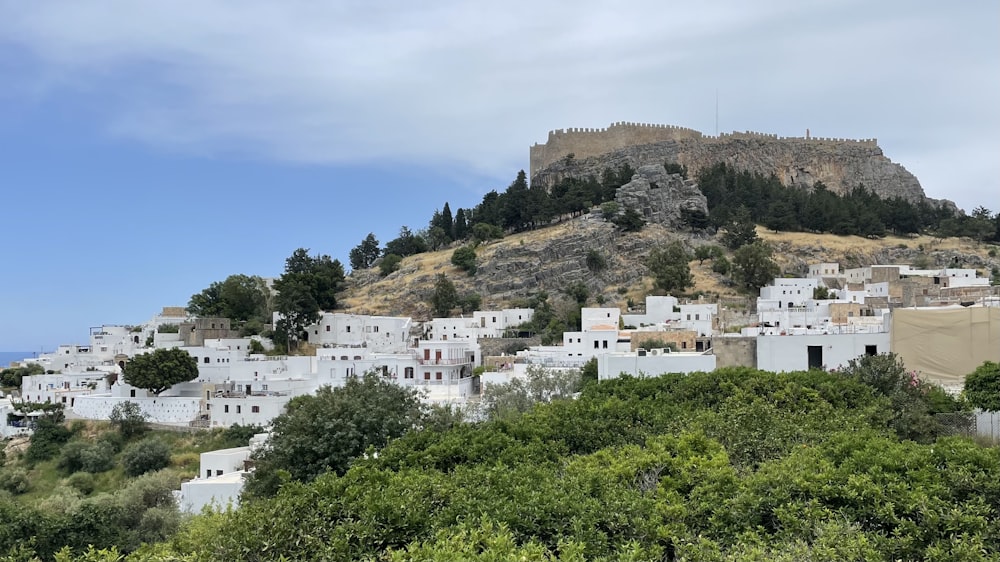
[592, 142]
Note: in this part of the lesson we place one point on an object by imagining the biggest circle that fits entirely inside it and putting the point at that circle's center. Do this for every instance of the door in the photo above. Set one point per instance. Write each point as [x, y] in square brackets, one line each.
[815, 356]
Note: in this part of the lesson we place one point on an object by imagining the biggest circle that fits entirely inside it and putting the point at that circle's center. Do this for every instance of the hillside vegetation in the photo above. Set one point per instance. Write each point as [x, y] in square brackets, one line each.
[734, 465]
[406, 292]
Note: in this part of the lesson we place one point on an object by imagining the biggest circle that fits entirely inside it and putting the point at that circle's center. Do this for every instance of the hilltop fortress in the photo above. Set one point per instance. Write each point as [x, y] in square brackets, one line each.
[840, 164]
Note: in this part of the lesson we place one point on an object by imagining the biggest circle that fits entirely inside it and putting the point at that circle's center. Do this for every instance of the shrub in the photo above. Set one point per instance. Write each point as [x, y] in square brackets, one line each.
[87, 457]
[82, 482]
[596, 262]
[145, 456]
[129, 419]
[982, 387]
[389, 264]
[14, 480]
[47, 440]
[465, 258]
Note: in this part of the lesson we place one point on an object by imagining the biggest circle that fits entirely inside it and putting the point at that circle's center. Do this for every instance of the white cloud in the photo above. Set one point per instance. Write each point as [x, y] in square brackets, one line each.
[472, 85]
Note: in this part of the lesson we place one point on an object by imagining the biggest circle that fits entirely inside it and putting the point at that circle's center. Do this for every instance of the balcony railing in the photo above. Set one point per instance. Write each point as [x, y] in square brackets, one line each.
[443, 361]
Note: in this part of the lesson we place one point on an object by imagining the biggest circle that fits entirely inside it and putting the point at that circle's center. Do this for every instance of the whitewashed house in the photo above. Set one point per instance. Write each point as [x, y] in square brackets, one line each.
[651, 363]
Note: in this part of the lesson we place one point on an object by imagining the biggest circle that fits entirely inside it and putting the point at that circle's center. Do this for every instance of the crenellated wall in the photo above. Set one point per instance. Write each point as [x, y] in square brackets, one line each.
[589, 142]
[840, 164]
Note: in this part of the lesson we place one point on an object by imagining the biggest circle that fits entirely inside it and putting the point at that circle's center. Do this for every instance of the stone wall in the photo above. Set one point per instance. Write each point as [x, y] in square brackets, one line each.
[840, 164]
[491, 347]
[737, 351]
[588, 142]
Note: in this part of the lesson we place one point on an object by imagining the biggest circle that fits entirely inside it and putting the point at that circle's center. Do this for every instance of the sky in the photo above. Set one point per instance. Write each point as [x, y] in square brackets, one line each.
[148, 149]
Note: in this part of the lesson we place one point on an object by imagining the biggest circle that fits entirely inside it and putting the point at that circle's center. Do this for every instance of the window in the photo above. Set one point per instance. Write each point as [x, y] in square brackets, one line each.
[595, 344]
[688, 316]
[437, 375]
[697, 316]
[684, 345]
[239, 409]
[132, 393]
[408, 373]
[218, 473]
[348, 329]
[427, 376]
[871, 350]
[255, 409]
[207, 360]
[605, 342]
[225, 408]
[376, 329]
[327, 327]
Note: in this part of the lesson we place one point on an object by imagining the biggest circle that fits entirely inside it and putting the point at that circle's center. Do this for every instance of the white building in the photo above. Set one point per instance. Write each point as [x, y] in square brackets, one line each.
[221, 476]
[666, 313]
[65, 387]
[653, 363]
[482, 324]
[819, 351]
[383, 333]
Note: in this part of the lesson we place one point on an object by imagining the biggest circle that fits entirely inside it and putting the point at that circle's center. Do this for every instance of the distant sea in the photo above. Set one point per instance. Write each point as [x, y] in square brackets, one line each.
[7, 356]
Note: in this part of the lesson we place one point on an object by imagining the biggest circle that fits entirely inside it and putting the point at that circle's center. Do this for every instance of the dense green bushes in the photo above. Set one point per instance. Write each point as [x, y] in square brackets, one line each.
[734, 465]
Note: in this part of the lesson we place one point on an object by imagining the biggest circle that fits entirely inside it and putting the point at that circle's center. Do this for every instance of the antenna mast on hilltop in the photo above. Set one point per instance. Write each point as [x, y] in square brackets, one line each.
[716, 112]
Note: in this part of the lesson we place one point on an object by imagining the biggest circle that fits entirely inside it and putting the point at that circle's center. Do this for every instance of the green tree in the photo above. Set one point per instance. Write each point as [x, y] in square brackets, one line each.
[740, 229]
[389, 264]
[753, 266]
[630, 221]
[669, 267]
[406, 244]
[364, 254]
[445, 297]
[460, 226]
[521, 394]
[144, 456]
[241, 298]
[465, 258]
[308, 285]
[577, 291]
[982, 387]
[129, 419]
[161, 369]
[596, 262]
[326, 431]
[484, 232]
[695, 219]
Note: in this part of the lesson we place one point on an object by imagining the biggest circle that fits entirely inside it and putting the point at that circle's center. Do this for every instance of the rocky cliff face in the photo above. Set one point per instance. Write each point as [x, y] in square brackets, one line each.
[660, 197]
[840, 165]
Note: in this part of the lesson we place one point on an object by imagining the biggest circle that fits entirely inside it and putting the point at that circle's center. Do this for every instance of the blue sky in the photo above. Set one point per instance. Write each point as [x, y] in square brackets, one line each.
[148, 149]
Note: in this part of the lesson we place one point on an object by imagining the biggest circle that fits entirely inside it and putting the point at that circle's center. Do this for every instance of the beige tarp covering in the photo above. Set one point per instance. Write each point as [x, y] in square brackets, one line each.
[944, 345]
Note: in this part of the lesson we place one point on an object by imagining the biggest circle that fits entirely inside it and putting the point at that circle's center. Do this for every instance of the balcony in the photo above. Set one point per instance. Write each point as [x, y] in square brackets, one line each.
[462, 361]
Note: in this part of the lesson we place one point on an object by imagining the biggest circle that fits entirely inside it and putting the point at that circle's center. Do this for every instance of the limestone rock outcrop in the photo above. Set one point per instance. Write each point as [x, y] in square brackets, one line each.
[841, 164]
[659, 197]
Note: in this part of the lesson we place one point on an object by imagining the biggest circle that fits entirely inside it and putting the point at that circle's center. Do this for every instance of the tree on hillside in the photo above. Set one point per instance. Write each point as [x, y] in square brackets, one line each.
[161, 369]
[406, 244]
[460, 226]
[753, 266]
[308, 285]
[241, 298]
[445, 297]
[740, 229]
[364, 254]
[465, 258]
[326, 431]
[669, 267]
[128, 418]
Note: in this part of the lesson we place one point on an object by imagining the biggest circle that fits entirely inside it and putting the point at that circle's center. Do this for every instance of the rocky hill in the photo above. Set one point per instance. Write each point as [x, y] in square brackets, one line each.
[840, 164]
[554, 258]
